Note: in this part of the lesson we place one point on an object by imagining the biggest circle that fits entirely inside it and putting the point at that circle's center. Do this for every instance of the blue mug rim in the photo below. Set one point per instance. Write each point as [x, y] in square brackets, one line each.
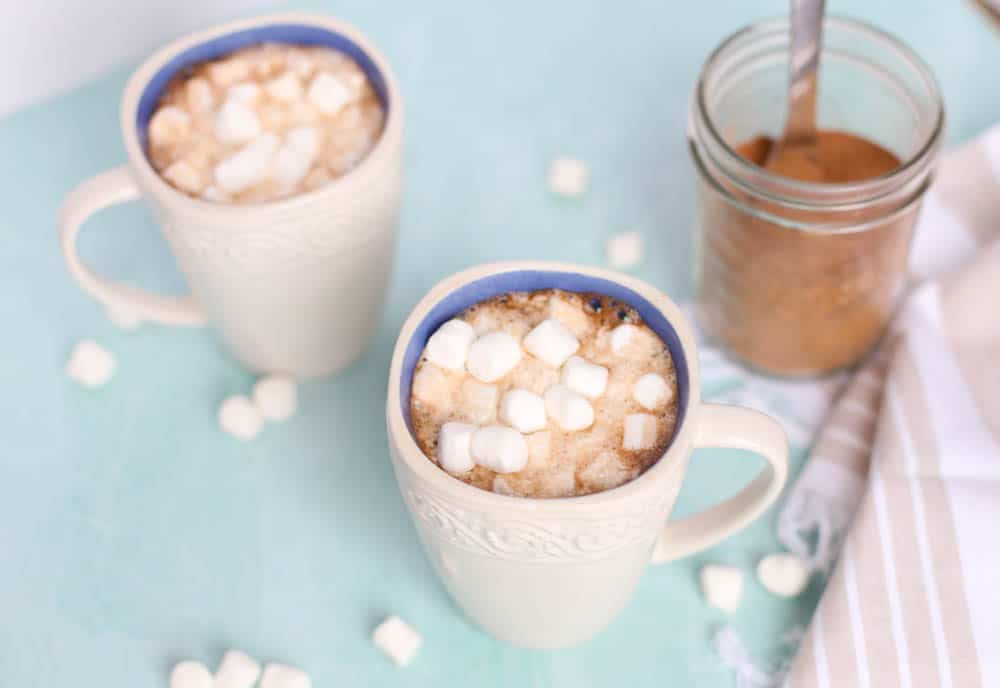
[531, 280]
[290, 32]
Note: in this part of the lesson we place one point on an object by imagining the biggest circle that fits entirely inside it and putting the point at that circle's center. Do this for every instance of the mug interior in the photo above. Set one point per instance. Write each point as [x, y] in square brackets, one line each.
[532, 280]
[291, 33]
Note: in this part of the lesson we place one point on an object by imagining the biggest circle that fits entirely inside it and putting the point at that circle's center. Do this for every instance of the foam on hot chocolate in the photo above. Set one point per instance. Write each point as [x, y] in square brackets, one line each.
[590, 388]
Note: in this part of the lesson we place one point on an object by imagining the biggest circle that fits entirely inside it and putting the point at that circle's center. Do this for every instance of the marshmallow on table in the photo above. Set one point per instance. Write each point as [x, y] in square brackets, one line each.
[625, 250]
[237, 670]
[285, 89]
[328, 93]
[235, 122]
[90, 364]
[621, 336]
[783, 574]
[568, 177]
[454, 447]
[240, 418]
[722, 586]
[283, 676]
[651, 391]
[247, 167]
[523, 410]
[448, 347]
[569, 410]
[191, 675]
[499, 448]
[583, 377]
[492, 356]
[168, 125]
[397, 640]
[640, 432]
[275, 397]
[552, 342]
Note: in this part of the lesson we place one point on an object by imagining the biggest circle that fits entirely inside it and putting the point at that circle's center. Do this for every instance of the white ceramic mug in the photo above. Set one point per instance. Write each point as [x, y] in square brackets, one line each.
[295, 285]
[548, 573]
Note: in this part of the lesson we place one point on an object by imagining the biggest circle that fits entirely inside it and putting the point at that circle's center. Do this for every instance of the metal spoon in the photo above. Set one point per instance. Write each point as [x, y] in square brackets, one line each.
[806, 41]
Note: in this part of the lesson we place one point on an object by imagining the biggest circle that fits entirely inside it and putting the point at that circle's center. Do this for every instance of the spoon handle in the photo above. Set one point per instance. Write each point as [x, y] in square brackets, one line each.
[806, 41]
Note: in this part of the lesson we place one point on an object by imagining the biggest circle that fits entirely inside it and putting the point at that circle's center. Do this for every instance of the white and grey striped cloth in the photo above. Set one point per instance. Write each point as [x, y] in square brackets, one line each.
[902, 485]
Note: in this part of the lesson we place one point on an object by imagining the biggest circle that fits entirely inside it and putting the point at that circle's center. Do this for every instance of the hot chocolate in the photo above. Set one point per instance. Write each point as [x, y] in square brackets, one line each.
[545, 394]
[264, 123]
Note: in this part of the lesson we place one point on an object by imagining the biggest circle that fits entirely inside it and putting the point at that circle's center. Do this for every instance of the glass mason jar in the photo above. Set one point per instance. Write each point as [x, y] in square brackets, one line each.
[797, 277]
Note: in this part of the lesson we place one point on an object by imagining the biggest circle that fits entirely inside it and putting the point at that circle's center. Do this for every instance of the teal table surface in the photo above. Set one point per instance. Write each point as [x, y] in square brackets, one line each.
[133, 533]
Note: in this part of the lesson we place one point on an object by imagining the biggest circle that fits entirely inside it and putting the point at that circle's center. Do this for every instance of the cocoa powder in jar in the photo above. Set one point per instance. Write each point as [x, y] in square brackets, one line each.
[789, 300]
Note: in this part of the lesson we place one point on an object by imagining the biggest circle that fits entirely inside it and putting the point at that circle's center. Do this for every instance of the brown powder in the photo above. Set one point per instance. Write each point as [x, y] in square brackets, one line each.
[790, 301]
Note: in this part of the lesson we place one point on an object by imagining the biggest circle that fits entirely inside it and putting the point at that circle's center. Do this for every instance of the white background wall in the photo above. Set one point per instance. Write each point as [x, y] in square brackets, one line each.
[50, 46]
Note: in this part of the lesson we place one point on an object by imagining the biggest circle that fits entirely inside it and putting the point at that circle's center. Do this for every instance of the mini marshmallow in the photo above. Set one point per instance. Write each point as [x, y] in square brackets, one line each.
[499, 448]
[328, 93]
[228, 72]
[523, 410]
[783, 574]
[397, 640]
[454, 447]
[448, 347]
[301, 63]
[237, 670]
[305, 140]
[240, 418]
[275, 397]
[215, 195]
[652, 391]
[124, 318]
[200, 97]
[624, 250]
[185, 176]
[169, 125]
[90, 364]
[247, 93]
[236, 122]
[568, 177]
[479, 401]
[583, 377]
[289, 166]
[191, 675]
[247, 167]
[432, 387]
[283, 676]
[640, 432]
[569, 410]
[621, 336]
[285, 89]
[492, 356]
[722, 586]
[552, 342]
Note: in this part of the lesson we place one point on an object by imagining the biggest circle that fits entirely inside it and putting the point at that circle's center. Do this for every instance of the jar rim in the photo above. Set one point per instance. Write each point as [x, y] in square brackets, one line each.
[773, 24]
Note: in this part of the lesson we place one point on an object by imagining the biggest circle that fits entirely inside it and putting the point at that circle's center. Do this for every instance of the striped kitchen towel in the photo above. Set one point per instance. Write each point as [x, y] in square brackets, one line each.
[907, 464]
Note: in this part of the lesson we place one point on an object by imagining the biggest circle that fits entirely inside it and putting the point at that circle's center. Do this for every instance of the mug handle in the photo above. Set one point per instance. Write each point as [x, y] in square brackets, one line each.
[114, 186]
[734, 427]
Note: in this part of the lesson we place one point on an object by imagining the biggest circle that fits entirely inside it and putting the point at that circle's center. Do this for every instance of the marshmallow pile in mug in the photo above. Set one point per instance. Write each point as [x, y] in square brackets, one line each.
[564, 402]
[263, 123]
